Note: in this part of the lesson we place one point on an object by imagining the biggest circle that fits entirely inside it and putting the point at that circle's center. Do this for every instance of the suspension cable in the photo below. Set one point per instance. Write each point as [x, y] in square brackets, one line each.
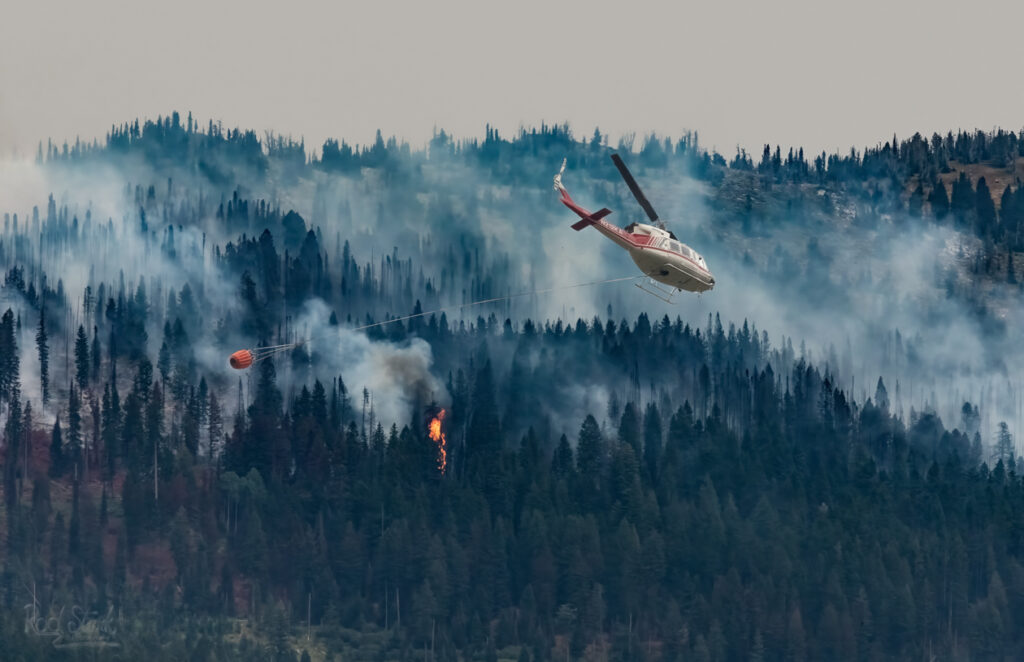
[494, 300]
[261, 353]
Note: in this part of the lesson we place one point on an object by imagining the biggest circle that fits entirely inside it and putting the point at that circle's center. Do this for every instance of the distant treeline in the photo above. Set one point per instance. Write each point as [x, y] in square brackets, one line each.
[897, 175]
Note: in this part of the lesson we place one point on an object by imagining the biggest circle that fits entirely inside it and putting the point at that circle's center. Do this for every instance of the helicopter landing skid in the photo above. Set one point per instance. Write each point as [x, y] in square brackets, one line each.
[657, 290]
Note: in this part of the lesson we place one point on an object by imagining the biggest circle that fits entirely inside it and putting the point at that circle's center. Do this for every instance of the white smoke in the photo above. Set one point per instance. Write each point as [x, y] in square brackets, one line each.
[398, 375]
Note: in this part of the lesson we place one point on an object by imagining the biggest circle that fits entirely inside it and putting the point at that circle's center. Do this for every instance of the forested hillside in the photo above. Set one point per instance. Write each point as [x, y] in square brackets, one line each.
[814, 461]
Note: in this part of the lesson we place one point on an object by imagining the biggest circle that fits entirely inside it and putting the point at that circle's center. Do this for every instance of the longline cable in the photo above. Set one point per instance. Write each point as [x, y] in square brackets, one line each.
[261, 353]
[494, 300]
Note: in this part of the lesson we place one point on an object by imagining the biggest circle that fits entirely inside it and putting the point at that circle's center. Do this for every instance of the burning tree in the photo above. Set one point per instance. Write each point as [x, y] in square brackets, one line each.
[436, 434]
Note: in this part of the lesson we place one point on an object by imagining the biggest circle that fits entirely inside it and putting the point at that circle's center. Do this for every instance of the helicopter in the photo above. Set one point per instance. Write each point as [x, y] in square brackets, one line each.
[670, 265]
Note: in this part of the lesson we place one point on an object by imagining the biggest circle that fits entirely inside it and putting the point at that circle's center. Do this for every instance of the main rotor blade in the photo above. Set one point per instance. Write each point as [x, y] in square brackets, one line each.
[635, 188]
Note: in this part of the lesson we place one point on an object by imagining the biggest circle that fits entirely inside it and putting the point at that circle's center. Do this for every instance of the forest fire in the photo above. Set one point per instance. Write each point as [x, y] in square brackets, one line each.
[437, 436]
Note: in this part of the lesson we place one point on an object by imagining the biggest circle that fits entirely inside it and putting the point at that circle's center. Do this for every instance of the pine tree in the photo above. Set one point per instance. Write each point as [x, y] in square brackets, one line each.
[1012, 227]
[985, 209]
[13, 438]
[111, 427]
[133, 431]
[938, 200]
[44, 357]
[1004, 449]
[10, 379]
[215, 427]
[562, 461]
[881, 396]
[962, 202]
[95, 354]
[75, 440]
[652, 439]
[190, 423]
[483, 438]
[163, 361]
[629, 428]
[57, 459]
[203, 396]
[916, 202]
[26, 442]
[154, 413]
[74, 526]
[589, 449]
[82, 365]
[182, 368]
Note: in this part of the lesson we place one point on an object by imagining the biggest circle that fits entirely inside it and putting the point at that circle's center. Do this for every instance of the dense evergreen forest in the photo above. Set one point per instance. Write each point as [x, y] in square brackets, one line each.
[814, 461]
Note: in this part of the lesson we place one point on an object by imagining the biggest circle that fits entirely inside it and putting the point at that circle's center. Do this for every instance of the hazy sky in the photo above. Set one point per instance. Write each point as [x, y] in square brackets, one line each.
[821, 74]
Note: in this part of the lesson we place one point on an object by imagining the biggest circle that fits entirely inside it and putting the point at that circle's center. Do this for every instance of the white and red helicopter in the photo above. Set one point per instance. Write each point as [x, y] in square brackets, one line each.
[659, 253]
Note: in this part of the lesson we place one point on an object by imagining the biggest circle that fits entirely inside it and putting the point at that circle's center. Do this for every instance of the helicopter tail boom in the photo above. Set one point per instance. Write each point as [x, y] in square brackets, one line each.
[591, 219]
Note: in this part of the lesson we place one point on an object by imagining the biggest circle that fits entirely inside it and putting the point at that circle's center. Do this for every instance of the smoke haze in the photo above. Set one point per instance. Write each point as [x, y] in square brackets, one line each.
[857, 289]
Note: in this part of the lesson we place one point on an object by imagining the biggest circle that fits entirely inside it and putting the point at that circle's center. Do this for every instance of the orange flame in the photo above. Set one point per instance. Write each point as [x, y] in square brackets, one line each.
[437, 436]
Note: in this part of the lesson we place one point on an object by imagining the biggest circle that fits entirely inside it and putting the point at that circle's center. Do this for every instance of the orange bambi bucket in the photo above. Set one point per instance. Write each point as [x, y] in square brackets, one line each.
[241, 359]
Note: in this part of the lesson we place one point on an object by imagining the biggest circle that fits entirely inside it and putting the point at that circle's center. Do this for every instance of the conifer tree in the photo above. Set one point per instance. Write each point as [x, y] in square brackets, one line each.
[652, 439]
[42, 345]
[916, 202]
[938, 201]
[1004, 450]
[111, 427]
[215, 427]
[75, 439]
[13, 439]
[562, 462]
[94, 354]
[82, 364]
[10, 380]
[629, 428]
[57, 460]
[962, 202]
[589, 449]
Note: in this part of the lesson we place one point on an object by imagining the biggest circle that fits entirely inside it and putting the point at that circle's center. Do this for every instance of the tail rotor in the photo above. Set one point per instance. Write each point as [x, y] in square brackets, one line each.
[558, 178]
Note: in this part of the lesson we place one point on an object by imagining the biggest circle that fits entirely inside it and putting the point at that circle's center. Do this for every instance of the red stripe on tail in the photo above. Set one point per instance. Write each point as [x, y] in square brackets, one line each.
[589, 220]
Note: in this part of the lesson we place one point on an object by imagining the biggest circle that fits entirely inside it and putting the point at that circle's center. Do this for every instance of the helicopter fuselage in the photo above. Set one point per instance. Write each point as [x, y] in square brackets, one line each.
[661, 256]
[656, 252]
